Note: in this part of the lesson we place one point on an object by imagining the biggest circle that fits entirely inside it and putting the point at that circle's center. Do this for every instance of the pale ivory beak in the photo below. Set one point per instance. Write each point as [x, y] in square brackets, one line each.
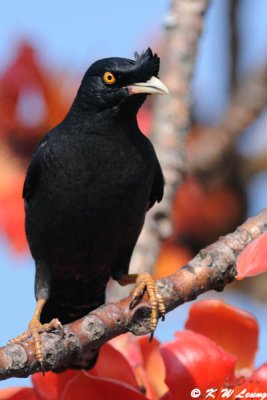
[152, 86]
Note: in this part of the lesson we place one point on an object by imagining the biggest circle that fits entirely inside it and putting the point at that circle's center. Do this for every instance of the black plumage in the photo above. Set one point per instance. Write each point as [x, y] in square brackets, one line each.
[88, 187]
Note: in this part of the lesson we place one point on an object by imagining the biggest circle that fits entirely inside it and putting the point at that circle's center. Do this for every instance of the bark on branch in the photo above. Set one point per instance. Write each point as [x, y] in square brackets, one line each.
[212, 268]
[171, 122]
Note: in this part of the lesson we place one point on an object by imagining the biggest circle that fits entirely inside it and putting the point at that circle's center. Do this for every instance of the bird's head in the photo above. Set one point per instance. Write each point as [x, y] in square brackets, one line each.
[120, 84]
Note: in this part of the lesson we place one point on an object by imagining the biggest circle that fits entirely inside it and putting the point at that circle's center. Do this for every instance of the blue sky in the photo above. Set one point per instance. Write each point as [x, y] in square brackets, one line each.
[73, 34]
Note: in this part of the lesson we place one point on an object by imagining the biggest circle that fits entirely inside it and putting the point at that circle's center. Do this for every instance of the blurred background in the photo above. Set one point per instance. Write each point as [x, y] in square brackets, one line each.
[45, 48]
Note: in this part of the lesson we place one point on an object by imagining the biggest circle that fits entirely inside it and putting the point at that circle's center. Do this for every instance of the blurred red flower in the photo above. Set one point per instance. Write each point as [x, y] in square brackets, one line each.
[214, 356]
[32, 101]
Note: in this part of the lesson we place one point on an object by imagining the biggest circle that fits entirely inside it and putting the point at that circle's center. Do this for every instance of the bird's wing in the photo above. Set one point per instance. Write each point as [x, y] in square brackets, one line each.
[33, 172]
[157, 188]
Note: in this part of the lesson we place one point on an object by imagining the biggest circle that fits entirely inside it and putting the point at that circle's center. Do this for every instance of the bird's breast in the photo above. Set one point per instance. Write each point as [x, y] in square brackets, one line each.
[93, 199]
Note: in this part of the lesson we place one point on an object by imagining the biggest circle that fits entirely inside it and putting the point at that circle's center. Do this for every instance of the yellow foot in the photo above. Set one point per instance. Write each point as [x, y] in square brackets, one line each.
[145, 282]
[34, 330]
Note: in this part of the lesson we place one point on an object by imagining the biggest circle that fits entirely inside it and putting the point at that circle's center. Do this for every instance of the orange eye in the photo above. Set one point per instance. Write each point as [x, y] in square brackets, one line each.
[109, 78]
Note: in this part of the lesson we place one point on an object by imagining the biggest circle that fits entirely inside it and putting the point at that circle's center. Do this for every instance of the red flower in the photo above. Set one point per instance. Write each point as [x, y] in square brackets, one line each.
[229, 327]
[12, 213]
[253, 259]
[32, 101]
[213, 358]
[214, 364]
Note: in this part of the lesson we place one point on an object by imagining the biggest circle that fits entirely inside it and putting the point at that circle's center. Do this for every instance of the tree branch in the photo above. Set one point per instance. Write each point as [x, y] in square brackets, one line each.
[212, 268]
[171, 122]
[208, 153]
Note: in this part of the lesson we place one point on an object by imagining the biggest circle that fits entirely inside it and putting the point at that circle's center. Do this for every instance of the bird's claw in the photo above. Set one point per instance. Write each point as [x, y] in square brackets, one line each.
[145, 282]
[34, 330]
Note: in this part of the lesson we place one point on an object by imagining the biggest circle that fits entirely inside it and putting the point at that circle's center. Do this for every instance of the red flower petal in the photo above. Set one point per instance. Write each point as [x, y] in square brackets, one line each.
[51, 386]
[194, 361]
[12, 214]
[85, 386]
[17, 394]
[253, 386]
[112, 364]
[260, 374]
[253, 259]
[129, 346]
[144, 119]
[236, 331]
[167, 396]
[154, 365]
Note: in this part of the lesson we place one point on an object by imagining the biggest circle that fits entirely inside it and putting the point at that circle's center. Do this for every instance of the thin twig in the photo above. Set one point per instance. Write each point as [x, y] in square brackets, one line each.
[209, 152]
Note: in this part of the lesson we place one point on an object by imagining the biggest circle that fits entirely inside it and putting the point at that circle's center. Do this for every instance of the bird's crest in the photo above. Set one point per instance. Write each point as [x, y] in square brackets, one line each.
[147, 62]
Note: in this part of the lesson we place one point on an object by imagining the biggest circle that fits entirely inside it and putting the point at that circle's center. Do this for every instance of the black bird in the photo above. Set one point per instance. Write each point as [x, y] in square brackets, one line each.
[88, 187]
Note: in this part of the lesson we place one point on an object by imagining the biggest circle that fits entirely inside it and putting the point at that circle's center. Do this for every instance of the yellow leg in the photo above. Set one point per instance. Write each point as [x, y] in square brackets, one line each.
[35, 328]
[145, 282]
